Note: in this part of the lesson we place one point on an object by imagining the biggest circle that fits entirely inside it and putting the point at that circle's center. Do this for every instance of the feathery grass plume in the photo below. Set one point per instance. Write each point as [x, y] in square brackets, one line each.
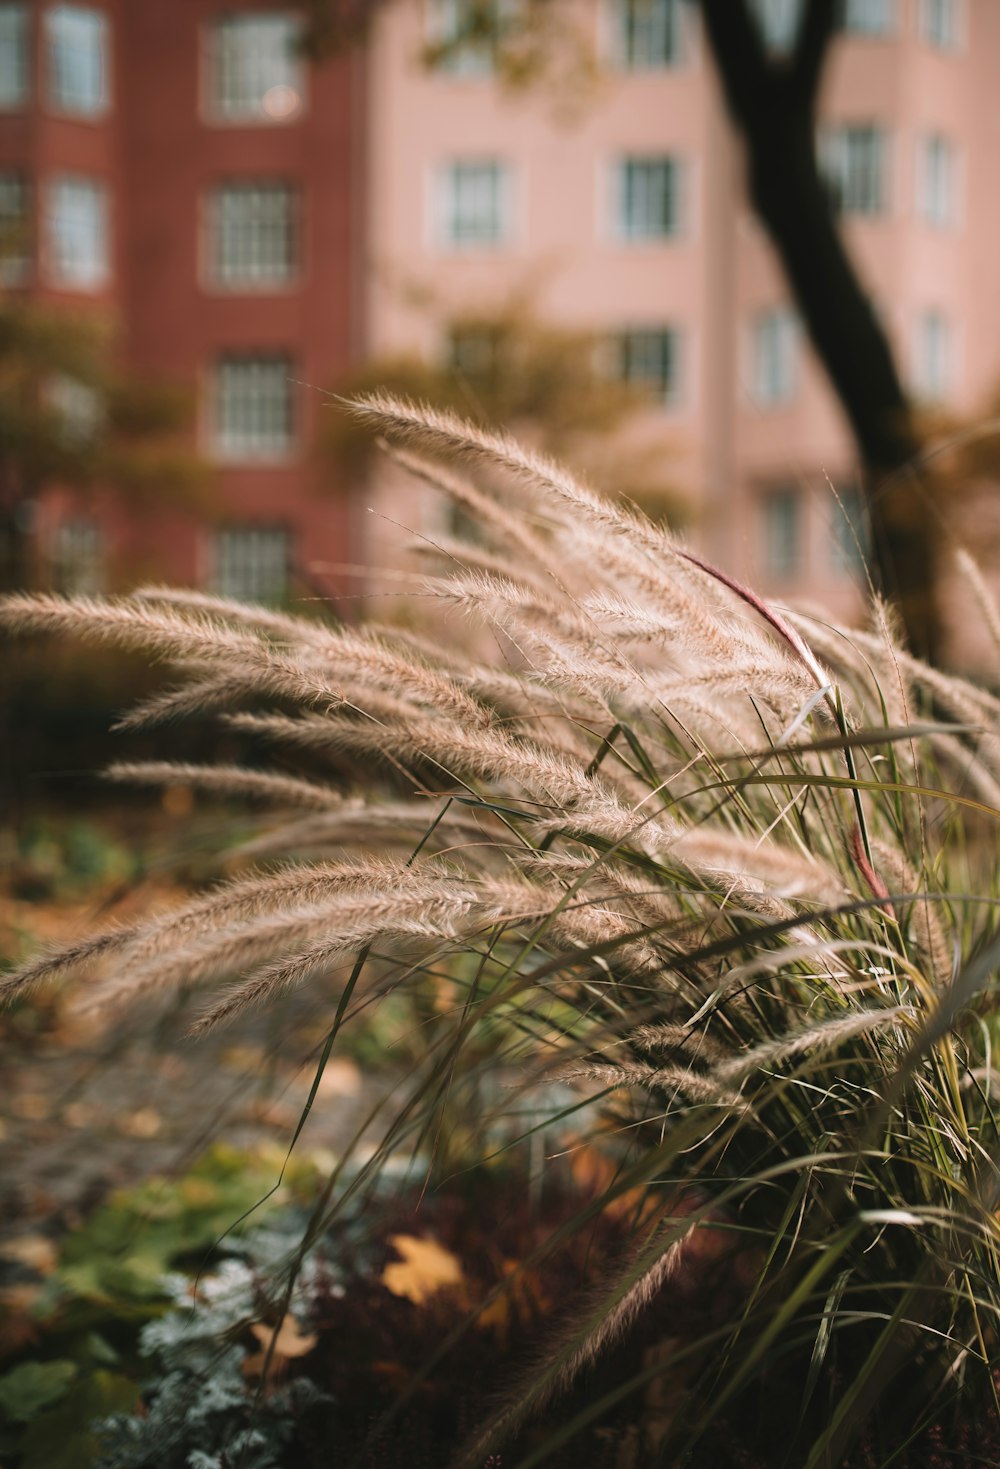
[733, 871]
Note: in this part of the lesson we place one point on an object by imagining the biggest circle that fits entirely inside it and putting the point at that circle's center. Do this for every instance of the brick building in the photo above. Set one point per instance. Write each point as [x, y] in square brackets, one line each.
[183, 168]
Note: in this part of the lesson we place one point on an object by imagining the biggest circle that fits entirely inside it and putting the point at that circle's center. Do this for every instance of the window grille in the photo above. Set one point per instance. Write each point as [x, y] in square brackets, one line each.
[15, 77]
[253, 406]
[79, 558]
[649, 357]
[853, 160]
[648, 204]
[476, 203]
[865, 17]
[936, 182]
[254, 234]
[782, 534]
[257, 72]
[648, 33]
[934, 355]
[77, 59]
[774, 357]
[15, 228]
[78, 232]
[251, 563]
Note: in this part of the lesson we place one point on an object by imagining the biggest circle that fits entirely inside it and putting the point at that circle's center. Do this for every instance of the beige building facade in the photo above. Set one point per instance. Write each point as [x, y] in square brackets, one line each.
[610, 194]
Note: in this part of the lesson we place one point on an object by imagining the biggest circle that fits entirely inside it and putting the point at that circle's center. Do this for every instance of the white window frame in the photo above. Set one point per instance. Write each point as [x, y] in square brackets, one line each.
[456, 205]
[250, 108]
[624, 35]
[246, 543]
[244, 219]
[15, 50]
[267, 434]
[783, 563]
[457, 54]
[78, 552]
[942, 24]
[774, 357]
[16, 253]
[628, 223]
[626, 348]
[87, 199]
[859, 189]
[71, 29]
[935, 355]
[938, 174]
[850, 532]
[867, 18]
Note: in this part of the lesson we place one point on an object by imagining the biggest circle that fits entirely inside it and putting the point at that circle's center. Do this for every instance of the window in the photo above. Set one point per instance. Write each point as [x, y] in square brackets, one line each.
[782, 533]
[850, 536]
[77, 59]
[939, 23]
[251, 563]
[15, 227]
[78, 407]
[853, 160]
[933, 376]
[14, 60]
[473, 352]
[254, 234]
[648, 33]
[253, 407]
[475, 203]
[936, 180]
[865, 17]
[78, 232]
[465, 35]
[774, 351]
[778, 22]
[256, 68]
[79, 558]
[648, 198]
[649, 357]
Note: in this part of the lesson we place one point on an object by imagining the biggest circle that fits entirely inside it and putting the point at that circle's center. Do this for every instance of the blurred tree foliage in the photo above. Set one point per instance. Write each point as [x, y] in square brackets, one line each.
[556, 388]
[71, 416]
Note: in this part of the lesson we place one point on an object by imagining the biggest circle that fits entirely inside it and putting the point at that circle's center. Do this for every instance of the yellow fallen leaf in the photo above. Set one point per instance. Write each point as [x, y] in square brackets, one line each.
[146, 1122]
[34, 1250]
[282, 1343]
[426, 1268]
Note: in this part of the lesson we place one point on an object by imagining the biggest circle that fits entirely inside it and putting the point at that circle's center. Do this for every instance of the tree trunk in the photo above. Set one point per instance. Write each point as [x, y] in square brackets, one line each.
[773, 102]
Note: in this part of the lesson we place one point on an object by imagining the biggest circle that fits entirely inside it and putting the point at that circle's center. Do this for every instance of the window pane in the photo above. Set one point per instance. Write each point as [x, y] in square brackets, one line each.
[78, 232]
[940, 23]
[78, 61]
[850, 538]
[648, 198]
[253, 406]
[466, 34]
[774, 354]
[257, 68]
[254, 229]
[14, 79]
[650, 358]
[853, 161]
[252, 563]
[79, 558]
[476, 203]
[934, 355]
[15, 229]
[778, 22]
[648, 33]
[936, 195]
[782, 526]
[866, 17]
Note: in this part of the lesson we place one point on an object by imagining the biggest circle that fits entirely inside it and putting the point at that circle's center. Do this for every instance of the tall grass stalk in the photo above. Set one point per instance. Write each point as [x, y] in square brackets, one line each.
[729, 871]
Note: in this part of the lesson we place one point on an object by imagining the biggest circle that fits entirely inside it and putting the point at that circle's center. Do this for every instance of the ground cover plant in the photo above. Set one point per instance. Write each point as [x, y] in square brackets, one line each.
[727, 872]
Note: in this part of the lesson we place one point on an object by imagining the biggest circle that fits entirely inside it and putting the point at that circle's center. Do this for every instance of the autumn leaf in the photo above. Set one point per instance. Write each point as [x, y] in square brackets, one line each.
[425, 1269]
[282, 1343]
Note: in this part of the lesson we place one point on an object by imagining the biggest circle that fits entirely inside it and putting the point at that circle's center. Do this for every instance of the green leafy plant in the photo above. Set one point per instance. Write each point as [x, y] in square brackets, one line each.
[728, 872]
